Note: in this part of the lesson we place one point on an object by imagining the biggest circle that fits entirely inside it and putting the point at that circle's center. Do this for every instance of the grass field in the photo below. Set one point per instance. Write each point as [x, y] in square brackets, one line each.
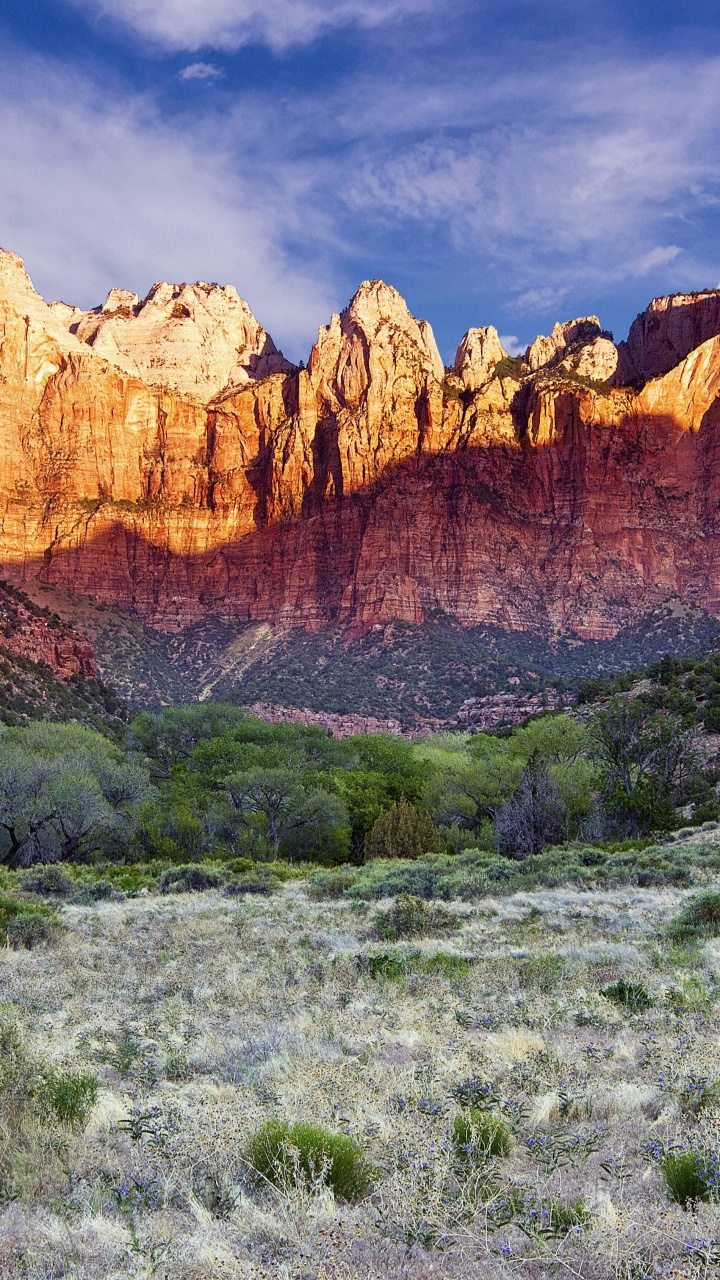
[203, 1017]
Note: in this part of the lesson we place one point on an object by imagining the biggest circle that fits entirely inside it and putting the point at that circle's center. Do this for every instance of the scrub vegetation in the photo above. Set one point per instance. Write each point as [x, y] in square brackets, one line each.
[278, 1005]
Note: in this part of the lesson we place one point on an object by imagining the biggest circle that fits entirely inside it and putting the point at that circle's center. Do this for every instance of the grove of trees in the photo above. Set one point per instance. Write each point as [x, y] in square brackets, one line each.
[208, 780]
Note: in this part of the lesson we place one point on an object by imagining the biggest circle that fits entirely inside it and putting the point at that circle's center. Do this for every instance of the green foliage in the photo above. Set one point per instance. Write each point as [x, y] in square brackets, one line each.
[292, 1154]
[25, 924]
[700, 919]
[689, 1177]
[331, 884]
[69, 1095]
[193, 878]
[510, 367]
[274, 811]
[479, 1136]
[402, 832]
[412, 917]
[630, 996]
[641, 753]
[261, 880]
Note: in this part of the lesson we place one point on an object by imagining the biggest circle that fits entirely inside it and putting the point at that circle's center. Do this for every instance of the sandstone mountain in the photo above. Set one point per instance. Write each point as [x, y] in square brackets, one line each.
[163, 458]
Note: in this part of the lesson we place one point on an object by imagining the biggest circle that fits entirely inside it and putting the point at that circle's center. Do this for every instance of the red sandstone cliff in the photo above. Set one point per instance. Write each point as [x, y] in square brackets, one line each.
[151, 464]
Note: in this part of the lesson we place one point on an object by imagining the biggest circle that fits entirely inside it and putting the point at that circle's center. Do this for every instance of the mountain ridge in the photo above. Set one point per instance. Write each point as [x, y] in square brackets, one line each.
[545, 493]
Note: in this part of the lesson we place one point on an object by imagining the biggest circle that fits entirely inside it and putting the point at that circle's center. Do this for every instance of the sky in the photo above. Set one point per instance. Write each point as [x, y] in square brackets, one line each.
[506, 163]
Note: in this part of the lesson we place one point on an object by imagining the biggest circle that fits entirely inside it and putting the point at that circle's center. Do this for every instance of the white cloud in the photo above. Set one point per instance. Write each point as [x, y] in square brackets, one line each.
[571, 178]
[200, 71]
[229, 24]
[97, 193]
[658, 257]
[512, 345]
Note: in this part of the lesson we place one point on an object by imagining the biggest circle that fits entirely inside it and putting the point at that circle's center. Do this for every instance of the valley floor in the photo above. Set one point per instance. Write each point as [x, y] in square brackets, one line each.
[203, 1017]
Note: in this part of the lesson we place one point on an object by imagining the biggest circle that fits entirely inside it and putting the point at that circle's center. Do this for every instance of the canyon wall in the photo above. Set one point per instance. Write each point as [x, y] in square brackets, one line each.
[164, 457]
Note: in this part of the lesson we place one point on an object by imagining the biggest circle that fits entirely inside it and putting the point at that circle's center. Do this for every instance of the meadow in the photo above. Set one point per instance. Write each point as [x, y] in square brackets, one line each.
[527, 1085]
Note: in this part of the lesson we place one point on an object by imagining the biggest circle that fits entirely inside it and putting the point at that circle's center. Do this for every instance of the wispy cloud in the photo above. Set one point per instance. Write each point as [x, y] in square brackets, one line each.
[562, 179]
[658, 257]
[99, 192]
[200, 71]
[229, 24]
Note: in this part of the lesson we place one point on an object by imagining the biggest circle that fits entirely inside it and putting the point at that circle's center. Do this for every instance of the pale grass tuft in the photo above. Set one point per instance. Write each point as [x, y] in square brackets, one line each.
[545, 1110]
[513, 1044]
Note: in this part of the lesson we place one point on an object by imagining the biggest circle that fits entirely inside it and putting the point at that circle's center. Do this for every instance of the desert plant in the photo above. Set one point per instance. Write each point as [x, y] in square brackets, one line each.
[283, 1153]
[700, 919]
[557, 1218]
[49, 881]
[190, 878]
[260, 880]
[690, 1176]
[69, 1095]
[24, 924]
[412, 917]
[630, 996]
[402, 832]
[479, 1136]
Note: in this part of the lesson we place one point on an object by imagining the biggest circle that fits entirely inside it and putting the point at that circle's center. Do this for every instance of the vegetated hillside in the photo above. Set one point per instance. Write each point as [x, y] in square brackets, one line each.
[48, 670]
[419, 676]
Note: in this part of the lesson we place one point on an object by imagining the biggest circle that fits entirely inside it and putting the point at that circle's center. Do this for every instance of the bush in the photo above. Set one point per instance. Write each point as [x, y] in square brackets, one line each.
[631, 996]
[402, 832]
[331, 884]
[70, 1096]
[700, 919]
[283, 1153]
[690, 1176]
[24, 924]
[261, 880]
[191, 878]
[411, 917]
[478, 1136]
[49, 881]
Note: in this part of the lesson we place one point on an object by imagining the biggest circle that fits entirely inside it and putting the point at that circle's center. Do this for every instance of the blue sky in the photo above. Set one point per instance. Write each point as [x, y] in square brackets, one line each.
[499, 163]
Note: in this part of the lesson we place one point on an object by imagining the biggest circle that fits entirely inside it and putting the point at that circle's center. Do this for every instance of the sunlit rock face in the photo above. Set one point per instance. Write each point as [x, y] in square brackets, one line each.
[162, 456]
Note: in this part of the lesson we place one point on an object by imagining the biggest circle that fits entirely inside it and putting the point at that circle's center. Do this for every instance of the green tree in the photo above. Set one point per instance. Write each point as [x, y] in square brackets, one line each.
[402, 832]
[643, 755]
[297, 819]
[66, 792]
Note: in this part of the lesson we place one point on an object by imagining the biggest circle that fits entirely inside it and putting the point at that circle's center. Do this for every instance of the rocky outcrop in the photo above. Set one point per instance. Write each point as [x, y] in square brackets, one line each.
[371, 486]
[37, 634]
[197, 339]
[661, 337]
[477, 358]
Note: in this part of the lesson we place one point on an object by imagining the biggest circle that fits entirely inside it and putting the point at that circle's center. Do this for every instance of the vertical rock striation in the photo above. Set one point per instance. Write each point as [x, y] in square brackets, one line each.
[164, 457]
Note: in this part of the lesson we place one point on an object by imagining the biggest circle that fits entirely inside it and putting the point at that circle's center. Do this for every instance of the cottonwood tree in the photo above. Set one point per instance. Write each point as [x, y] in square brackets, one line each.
[65, 791]
[642, 754]
[287, 814]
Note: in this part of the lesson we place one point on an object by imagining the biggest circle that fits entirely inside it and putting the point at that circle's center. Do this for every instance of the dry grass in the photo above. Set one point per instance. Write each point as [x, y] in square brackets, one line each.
[204, 1017]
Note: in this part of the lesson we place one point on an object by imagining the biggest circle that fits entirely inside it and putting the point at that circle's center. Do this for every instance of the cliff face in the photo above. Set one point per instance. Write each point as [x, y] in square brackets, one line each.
[174, 463]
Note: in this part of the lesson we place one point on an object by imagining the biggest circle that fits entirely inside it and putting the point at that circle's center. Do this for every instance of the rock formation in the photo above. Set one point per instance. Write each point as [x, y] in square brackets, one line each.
[34, 633]
[195, 339]
[164, 458]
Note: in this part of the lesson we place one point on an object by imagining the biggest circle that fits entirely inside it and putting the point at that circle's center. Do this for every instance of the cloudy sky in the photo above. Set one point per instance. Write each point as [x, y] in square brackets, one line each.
[507, 163]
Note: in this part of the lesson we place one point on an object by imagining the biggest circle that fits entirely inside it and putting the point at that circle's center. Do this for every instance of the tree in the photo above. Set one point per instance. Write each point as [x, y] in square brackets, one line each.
[390, 755]
[402, 832]
[643, 755]
[65, 793]
[533, 818]
[300, 819]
